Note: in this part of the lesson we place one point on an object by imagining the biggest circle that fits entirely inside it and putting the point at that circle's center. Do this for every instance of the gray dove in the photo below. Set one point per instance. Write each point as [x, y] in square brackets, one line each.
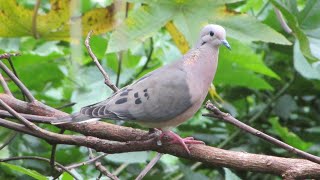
[167, 96]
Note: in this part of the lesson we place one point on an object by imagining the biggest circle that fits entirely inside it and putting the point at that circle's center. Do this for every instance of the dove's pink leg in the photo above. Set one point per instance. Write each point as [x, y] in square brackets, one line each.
[178, 140]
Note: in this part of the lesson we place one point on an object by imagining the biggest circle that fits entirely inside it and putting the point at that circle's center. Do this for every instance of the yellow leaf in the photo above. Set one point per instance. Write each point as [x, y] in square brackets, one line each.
[16, 20]
[177, 37]
[214, 94]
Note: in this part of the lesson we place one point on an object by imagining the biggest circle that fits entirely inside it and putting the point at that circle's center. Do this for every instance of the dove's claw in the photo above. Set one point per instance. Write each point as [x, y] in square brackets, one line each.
[176, 139]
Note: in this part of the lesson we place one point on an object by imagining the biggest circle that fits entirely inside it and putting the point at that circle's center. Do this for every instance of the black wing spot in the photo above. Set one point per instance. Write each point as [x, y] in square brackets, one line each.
[121, 101]
[136, 95]
[145, 90]
[146, 95]
[138, 101]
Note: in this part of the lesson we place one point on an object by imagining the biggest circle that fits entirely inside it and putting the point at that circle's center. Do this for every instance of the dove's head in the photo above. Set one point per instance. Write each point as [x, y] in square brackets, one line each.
[213, 35]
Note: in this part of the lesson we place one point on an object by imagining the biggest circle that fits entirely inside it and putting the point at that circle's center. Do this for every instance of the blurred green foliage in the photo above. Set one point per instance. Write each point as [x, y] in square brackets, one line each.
[269, 80]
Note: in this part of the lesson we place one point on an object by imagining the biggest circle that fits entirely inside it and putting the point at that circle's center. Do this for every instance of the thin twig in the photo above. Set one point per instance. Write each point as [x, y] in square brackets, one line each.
[66, 105]
[283, 23]
[34, 19]
[119, 68]
[120, 169]
[216, 113]
[8, 55]
[9, 140]
[260, 113]
[262, 9]
[40, 159]
[145, 66]
[16, 74]
[100, 175]
[95, 60]
[53, 153]
[72, 166]
[5, 86]
[149, 166]
[23, 88]
[24, 121]
[30, 117]
[148, 58]
[101, 168]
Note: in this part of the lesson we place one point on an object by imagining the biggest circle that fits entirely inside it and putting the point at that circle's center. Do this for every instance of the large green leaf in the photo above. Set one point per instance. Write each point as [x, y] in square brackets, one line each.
[309, 17]
[293, 23]
[238, 76]
[189, 16]
[91, 82]
[38, 72]
[130, 157]
[301, 64]
[247, 29]
[25, 171]
[239, 69]
[139, 26]
[288, 136]
[249, 60]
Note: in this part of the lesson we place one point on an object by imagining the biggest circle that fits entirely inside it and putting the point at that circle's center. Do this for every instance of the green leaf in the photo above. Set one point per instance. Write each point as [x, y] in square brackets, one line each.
[284, 106]
[139, 26]
[247, 29]
[227, 74]
[229, 175]
[301, 64]
[292, 21]
[310, 16]
[191, 175]
[66, 176]
[91, 81]
[38, 72]
[287, 136]
[130, 157]
[244, 56]
[239, 67]
[25, 171]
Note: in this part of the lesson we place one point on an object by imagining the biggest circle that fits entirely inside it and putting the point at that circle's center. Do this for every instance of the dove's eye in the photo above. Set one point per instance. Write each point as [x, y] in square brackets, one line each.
[211, 33]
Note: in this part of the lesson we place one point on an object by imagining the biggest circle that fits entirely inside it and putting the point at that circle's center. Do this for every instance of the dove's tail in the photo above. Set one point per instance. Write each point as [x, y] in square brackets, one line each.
[74, 118]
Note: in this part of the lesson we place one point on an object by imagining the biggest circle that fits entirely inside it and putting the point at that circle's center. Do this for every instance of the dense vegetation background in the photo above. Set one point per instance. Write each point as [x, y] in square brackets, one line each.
[269, 80]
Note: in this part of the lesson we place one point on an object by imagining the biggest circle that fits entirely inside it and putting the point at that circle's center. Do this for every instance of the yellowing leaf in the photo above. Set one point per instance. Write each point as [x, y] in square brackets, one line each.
[214, 94]
[178, 37]
[16, 21]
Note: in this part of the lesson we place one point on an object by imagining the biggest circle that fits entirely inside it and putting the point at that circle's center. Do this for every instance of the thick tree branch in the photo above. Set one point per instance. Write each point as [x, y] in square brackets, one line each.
[206, 154]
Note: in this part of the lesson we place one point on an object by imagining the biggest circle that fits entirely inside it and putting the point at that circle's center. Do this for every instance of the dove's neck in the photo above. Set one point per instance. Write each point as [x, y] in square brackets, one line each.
[201, 65]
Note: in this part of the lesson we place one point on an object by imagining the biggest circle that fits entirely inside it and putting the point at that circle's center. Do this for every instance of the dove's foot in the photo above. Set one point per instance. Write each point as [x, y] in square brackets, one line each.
[176, 139]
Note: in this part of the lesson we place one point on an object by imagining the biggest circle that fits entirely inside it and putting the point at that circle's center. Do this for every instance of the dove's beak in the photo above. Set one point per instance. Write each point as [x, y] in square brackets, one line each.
[226, 44]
